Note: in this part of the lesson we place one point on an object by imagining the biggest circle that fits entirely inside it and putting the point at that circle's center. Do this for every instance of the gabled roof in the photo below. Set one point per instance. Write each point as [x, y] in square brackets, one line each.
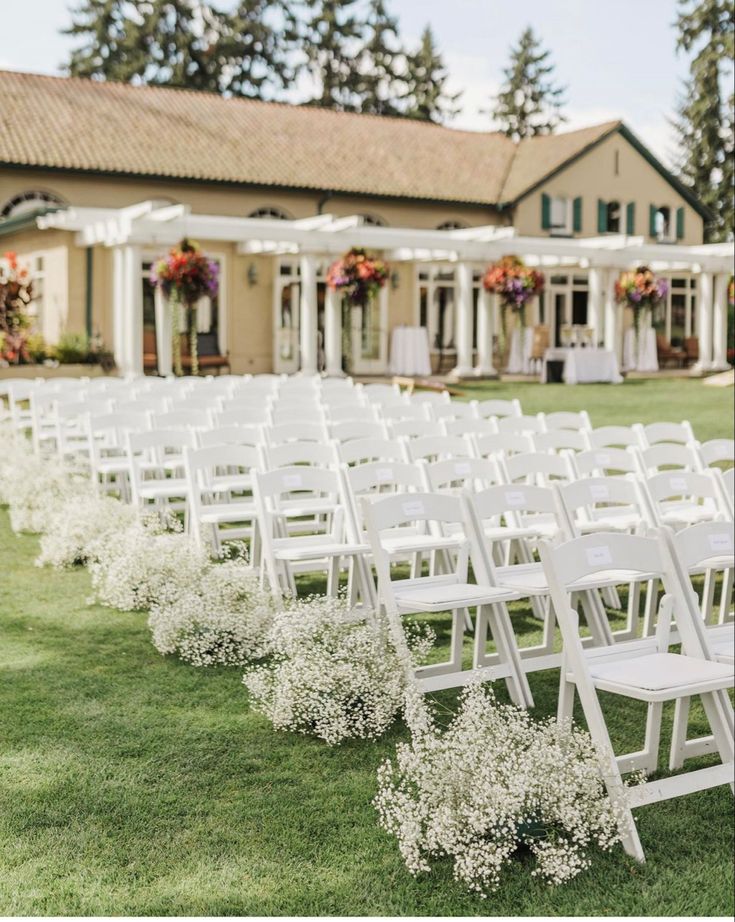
[71, 124]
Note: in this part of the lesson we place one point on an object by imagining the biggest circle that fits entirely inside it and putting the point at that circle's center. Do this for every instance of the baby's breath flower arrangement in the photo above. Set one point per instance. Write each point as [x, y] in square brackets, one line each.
[330, 676]
[223, 619]
[145, 565]
[80, 528]
[495, 781]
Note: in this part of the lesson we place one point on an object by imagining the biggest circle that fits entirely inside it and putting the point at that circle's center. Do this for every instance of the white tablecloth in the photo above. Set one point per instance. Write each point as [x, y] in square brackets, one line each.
[584, 366]
[519, 352]
[641, 355]
[409, 352]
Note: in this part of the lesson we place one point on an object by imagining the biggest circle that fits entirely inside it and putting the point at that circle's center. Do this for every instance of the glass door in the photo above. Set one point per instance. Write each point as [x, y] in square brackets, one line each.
[287, 294]
[369, 336]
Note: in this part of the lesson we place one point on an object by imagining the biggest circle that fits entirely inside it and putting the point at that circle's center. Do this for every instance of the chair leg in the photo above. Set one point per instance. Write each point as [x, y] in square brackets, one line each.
[653, 735]
[726, 596]
[333, 576]
[679, 733]
[565, 705]
[649, 613]
[708, 595]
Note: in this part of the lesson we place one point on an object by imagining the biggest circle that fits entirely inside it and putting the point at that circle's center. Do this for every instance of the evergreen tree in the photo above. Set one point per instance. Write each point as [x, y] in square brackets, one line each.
[382, 63]
[182, 43]
[704, 118]
[331, 33]
[426, 78]
[529, 103]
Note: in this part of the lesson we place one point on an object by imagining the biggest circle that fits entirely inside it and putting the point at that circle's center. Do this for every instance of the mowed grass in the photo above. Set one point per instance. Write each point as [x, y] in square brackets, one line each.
[134, 784]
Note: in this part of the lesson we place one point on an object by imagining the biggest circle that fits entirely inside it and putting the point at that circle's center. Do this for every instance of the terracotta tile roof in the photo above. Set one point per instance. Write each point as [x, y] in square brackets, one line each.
[68, 123]
[536, 157]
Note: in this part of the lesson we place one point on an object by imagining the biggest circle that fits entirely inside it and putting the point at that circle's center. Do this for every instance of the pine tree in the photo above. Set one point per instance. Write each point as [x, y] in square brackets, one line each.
[331, 33]
[182, 43]
[426, 78]
[529, 103]
[382, 63]
[704, 118]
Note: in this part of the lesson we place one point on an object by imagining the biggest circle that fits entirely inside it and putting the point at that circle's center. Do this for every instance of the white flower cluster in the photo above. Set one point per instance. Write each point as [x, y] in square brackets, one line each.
[494, 782]
[79, 526]
[223, 618]
[330, 676]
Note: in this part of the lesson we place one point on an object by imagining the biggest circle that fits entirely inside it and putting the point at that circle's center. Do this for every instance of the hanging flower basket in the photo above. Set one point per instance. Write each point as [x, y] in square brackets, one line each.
[640, 290]
[357, 276]
[185, 276]
[514, 283]
[16, 293]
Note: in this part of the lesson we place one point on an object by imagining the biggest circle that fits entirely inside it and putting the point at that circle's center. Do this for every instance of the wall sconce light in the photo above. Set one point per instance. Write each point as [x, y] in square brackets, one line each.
[252, 275]
[395, 280]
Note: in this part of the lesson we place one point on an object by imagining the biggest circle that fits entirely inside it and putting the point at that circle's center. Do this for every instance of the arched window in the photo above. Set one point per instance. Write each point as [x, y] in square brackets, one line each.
[273, 212]
[31, 200]
[372, 220]
[451, 225]
[613, 217]
[663, 223]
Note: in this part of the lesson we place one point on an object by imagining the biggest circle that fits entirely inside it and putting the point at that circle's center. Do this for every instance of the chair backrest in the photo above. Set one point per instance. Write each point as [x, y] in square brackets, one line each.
[351, 411]
[510, 500]
[604, 462]
[143, 405]
[502, 443]
[295, 432]
[559, 439]
[523, 424]
[437, 447]
[705, 543]
[245, 414]
[230, 435]
[441, 398]
[583, 500]
[181, 419]
[488, 408]
[613, 437]
[699, 489]
[534, 467]
[454, 409]
[414, 428]
[297, 453]
[349, 429]
[270, 488]
[405, 411]
[653, 433]
[666, 455]
[372, 480]
[468, 426]
[564, 419]
[454, 474]
[358, 451]
[717, 451]
[383, 394]
[203, 464]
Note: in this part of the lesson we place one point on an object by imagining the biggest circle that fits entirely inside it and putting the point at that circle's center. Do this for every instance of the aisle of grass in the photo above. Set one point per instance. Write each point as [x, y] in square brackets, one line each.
[134, 784]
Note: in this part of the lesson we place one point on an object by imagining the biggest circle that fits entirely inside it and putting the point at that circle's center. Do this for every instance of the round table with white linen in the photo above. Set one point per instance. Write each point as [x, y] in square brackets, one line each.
[409, 352]
[583, 365]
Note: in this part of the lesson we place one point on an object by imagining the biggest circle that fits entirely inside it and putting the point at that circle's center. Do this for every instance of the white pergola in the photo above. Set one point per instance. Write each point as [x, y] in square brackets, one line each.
[324, 236]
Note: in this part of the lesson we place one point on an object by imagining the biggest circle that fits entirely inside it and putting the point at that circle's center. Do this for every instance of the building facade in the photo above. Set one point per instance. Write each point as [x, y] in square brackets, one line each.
[99, 179]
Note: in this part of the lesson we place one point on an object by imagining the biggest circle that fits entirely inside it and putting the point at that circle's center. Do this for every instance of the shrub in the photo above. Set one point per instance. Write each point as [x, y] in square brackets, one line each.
[71, 348]
[331, 677]
[225, 618]
[493, 782]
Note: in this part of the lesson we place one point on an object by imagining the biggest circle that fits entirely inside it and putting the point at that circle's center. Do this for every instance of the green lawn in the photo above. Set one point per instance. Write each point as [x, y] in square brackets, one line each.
[134, 784]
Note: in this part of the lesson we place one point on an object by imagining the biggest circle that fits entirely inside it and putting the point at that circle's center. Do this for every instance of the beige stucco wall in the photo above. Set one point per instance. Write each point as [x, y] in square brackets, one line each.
[593, 177]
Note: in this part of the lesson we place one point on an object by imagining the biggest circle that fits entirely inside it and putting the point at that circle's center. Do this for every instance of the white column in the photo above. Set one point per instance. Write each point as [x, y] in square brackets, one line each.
[127, 309]
[705, 299]
[308, 329]
[719, 325]
[485, 330]
[333, 333]
[463, 321]
[596, 301]
[164, 334]
[613, 333]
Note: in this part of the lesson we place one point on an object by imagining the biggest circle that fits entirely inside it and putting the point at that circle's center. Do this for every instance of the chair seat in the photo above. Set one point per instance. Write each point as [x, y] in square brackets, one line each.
[716, 562]
[311, 547]
[154, 489]
[686, 514]
[229, 483]
[663, 675]
[531, 531]
[449, 596]
[297, 508]
[723, 650]
[410, 544]
[529, 578]
[217, 513]
[610, 520]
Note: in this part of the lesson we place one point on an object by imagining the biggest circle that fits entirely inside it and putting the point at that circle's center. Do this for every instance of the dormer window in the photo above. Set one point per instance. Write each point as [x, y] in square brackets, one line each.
[662, 225]
[561, 215]
[612, 217]
[665, 224]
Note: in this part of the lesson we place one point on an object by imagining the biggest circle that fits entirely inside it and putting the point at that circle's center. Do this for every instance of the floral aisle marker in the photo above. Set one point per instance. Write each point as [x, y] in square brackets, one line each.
[358, 277]
[640, 290]
[493, 782]
[185, 277]
[330, 676]
[16, 294]
[515, 284]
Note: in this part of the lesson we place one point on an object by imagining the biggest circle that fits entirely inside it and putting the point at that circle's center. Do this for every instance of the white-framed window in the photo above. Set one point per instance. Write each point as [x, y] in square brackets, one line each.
[560, 214]
[274, 212]
[614, 217]
[663, 224]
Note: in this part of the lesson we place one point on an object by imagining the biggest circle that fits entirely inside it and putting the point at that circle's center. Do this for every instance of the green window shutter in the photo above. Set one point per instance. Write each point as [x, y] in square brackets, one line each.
[679, 223]
[601, 216]
[630, 219]
[577, 214]
[545, 211]
[652, 210]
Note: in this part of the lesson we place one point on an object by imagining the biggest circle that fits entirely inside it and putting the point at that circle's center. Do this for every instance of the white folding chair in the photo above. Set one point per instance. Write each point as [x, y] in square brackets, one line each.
[448, 592]
[507, 443]
[219, 491]
[359, 451]
[452, 475]
[602, 462]
[681, 498]
[437, 447]
[534, 467]
[230, 435]
[642, 670]
[414, 428]
[613, 437]
[454, 409]
[558, 440]
[351, 411]
[519, 424]
[182, 419]
[156, 467]
[108, 462]
[564, 419]
[404, 411]
[667, 456]
[289, 454]
[654, 433]
[296, 432]
[717, 451]
[485, 409]
[277, 500]
[348, 429]
[245, 415]
[468, 426]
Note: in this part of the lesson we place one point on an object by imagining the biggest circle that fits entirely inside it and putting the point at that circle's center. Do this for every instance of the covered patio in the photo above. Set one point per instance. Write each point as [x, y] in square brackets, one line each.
[307, 244]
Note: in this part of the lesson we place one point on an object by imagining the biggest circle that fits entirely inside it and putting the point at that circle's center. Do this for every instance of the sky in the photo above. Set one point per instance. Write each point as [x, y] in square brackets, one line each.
[616, 57]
